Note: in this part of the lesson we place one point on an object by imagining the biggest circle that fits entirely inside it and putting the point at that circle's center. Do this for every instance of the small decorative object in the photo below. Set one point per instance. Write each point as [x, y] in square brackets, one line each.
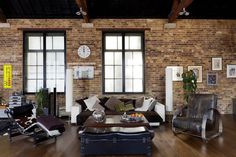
[134, 117]
[198, 72]
[216, 63]
[211, 79]
[189, 83]
[84, 72]
[99, 115]
[177, 72]
[231, 71]
[84, 51]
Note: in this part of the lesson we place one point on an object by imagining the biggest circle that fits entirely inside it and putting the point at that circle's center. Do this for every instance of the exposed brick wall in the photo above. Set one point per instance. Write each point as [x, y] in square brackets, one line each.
[193, 42]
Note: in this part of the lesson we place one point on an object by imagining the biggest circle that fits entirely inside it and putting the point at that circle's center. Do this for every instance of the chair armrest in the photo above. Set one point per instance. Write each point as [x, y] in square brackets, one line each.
[180, 111]
[206, 116]
[160, 109]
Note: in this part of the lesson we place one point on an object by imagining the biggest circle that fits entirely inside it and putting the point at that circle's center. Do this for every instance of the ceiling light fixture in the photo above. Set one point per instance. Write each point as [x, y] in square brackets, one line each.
[184, 12]
[81, 12]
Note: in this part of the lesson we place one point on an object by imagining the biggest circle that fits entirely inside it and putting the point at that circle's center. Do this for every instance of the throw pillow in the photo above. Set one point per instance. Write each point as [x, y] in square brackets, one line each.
[103, 100]
[82, 103]
[110, 104]
[145, 106]
[152, 105]
[129, 107]
[139, 102]
[119, 107]
[97, 106]
[90, 102]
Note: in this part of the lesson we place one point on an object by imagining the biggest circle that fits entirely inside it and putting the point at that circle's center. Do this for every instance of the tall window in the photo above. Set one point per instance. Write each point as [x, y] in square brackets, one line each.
[123, 63]
[44, 61]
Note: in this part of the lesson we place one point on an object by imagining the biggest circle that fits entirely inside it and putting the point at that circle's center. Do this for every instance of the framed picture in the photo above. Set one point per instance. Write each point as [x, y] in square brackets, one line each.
[212, 79]
[84, 72]
[216, 63]
[198, 72]
[231, 71]
[177, 72]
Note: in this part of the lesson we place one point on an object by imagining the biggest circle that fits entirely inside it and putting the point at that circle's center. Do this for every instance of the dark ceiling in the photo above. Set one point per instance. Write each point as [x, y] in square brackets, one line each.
[199, 9]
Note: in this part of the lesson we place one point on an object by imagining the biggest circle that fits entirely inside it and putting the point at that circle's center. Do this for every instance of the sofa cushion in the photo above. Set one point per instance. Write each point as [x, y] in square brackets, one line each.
[152, 105]
[103, 100]
[139, 102]
[145, 106]
[90, 102]
[112, 102]
[97, 106]
[82, 103]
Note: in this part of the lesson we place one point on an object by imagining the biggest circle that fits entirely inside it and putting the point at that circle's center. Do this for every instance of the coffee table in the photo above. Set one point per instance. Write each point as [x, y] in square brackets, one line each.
[114, 136]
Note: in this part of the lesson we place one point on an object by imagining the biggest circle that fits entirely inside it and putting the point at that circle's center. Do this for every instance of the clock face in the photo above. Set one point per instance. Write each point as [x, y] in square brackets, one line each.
[84, 51]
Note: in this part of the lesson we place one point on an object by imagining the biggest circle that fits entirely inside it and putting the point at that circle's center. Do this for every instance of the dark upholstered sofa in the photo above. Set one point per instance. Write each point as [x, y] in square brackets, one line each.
[155, 116]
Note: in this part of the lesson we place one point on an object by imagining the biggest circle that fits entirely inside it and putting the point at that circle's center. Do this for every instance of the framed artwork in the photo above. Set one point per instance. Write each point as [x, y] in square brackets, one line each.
[231, 71]
[216, 63]
[84, 72]
[177, 72]
[198, 72]
[212, 79]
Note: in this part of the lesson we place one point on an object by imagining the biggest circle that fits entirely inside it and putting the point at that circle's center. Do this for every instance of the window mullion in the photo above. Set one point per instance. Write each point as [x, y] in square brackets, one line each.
[44, 61]
[123, 62]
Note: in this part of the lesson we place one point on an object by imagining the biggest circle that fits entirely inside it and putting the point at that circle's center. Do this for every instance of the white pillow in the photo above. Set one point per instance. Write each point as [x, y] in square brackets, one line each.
[146, 105]
[90, 102]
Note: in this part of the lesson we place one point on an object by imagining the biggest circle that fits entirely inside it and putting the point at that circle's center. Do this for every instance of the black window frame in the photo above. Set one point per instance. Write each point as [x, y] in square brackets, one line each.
[44, 58]
[123, 33]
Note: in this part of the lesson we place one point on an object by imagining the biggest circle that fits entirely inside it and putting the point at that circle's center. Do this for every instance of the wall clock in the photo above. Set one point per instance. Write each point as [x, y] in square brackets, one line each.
[84, 51]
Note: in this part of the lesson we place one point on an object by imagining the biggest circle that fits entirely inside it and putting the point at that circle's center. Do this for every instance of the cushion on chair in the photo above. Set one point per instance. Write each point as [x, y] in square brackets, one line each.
[51, 123]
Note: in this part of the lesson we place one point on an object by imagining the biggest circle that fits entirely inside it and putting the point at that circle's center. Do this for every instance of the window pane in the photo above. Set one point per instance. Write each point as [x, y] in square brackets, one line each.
[31, 85]
[127, 42]
[137, 72]
[109, 72]
[31, 59]
[40, 72]
[60, 86]
[40, 58]
[58, 42]
[60, 72]
[109, 58]
[39, 84]
[51, 84]
[128, 71]
[51, 72]
[112, 42]
[128, 85]
[34, 43]
[119, 42]
[49, 42]
[138, 85]
[31, 72]
[118, 85]
[137, 58]
[118, 71]
[60, 59]
[51, 58]
[118, 58]
[109, 85]
[135, 42]
[128, 58]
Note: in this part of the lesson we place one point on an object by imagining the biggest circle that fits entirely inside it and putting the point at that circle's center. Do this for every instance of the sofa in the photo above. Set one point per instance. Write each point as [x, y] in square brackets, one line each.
[155, 115]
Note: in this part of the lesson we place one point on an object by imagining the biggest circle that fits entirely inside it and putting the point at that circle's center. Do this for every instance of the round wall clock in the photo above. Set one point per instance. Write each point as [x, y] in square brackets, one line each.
[84, 51]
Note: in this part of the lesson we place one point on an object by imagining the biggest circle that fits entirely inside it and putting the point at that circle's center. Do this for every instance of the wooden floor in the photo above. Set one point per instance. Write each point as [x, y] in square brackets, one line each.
[165, 144]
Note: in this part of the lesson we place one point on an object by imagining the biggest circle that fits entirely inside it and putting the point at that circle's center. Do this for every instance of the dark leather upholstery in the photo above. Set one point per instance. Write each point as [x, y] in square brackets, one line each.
[200, 115]
[112, 143]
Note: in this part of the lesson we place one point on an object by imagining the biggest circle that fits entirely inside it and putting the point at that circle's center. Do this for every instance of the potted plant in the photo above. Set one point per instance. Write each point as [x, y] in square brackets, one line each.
[189, 83]
[2, 100]
[42, 102]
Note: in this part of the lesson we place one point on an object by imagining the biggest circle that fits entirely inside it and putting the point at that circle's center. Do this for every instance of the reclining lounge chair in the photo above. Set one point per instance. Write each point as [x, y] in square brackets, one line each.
[41, 128]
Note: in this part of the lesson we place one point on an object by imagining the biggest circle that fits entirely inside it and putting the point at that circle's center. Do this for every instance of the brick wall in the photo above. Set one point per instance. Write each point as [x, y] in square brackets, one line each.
[193, 42]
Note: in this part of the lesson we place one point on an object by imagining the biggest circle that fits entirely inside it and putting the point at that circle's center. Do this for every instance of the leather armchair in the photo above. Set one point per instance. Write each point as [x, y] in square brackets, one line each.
[199, 118]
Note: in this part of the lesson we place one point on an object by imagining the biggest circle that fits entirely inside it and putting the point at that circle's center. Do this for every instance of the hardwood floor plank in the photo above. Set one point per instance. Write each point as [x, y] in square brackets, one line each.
[165, 144]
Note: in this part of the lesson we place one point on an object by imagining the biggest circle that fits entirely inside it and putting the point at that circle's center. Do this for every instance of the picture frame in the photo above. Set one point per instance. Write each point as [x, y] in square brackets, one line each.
[212, 79]
[216, 63]
[231, 71]
[84, 72]
[177, 72]
[198, 72]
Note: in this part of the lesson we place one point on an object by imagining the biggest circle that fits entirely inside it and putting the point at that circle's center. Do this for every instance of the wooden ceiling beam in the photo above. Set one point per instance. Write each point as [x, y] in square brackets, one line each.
[178, 6]
[2, 17]
[83, 5]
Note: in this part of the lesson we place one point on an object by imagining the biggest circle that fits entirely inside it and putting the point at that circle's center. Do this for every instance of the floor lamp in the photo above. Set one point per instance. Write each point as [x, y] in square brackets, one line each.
[169, 90]
[69, 89]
